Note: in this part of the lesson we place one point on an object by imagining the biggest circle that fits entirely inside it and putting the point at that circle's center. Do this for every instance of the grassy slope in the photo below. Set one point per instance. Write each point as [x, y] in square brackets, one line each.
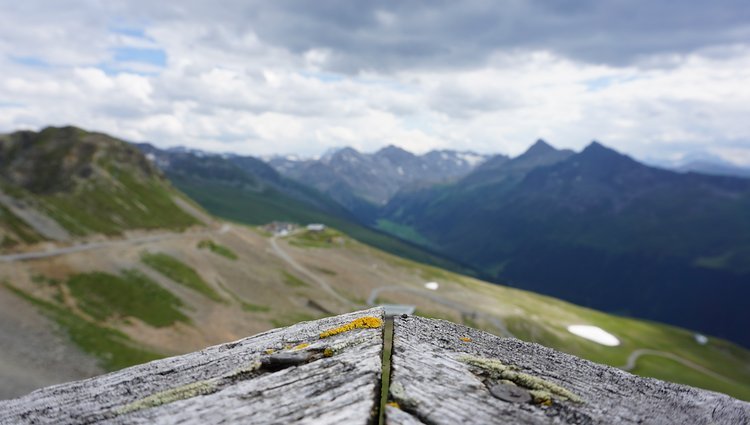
[217, 249]
[87, 182]
[543, 320]
[255, 208]
[132, 294]
[258, 290]
[179, 272]
[114, 206]
[114, 349]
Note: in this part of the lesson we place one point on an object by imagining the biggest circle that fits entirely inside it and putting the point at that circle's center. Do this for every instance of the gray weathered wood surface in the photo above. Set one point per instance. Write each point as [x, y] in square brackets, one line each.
[332, 380]
[441, 373]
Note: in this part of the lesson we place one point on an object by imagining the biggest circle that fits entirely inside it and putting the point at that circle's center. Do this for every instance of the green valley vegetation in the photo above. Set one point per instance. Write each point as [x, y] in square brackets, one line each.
[217, 249]
[246, 190]
[274, 295]
[15, 230]
[292, 280]
[721, 365]
[180, 273]
[317, 239]
[103, 301]
[132, 294]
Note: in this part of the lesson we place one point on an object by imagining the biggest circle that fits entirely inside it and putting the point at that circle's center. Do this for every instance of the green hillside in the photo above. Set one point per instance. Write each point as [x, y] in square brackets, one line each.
[245, 205]
[65, 182]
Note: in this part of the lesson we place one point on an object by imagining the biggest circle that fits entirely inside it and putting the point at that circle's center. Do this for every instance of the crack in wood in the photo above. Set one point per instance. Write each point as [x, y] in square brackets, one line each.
[385, 376]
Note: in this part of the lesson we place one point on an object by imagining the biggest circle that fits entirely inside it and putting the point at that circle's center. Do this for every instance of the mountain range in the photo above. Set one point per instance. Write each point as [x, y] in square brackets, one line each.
[136, 270]
[597, 228]
[594, 227]
[363, 182]
[704, 163]
[247, 190]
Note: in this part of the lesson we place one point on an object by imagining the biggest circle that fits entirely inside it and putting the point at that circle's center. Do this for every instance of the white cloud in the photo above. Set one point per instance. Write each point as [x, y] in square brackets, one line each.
[226, 88]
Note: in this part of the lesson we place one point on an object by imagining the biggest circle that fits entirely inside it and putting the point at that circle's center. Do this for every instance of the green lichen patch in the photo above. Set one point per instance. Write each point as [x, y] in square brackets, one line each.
[334, 349]
[542, 391]
[193, 389]
[170, 396]
[398, 394]
[242, 373]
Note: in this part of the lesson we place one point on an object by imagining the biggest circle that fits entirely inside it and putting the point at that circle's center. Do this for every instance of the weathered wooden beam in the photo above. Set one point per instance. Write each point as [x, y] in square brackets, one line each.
[444, 373]
[300, 374]
[329, 371]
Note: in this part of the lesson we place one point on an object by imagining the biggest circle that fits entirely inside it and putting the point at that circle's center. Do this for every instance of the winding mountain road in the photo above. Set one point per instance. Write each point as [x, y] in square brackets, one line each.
[637, 354]
[33, 255]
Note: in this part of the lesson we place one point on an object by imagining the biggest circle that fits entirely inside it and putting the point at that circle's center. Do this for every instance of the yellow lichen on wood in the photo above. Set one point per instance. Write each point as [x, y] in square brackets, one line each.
[393, 404]
[466, 339]
[367, 322]
[301, 346]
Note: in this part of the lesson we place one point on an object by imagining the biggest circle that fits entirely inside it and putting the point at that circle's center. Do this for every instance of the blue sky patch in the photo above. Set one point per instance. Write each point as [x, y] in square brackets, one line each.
[132, 32]
[325, 77]
[30, 61]
[156, 57]
[596, 84]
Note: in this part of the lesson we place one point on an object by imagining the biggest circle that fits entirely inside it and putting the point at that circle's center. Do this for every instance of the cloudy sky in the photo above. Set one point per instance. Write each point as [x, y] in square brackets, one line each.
[655, 79]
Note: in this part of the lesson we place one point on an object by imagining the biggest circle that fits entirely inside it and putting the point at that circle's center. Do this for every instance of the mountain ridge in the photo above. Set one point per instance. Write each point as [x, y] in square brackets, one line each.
[362, 182]
[571, 227]
[63, 182]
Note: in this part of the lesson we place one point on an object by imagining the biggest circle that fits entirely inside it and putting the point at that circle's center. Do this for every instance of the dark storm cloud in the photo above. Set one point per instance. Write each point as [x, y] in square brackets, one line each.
[393, 35]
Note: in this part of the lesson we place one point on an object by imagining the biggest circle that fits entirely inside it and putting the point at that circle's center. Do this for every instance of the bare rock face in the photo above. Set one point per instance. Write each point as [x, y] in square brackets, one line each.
[329, 371]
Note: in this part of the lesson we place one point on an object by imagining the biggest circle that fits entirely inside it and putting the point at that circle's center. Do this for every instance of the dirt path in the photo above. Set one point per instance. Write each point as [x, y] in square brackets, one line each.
[302, 269]
[7, 258]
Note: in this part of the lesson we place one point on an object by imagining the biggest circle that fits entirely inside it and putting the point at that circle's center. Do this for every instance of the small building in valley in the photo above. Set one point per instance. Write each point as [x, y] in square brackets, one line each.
[316, 227]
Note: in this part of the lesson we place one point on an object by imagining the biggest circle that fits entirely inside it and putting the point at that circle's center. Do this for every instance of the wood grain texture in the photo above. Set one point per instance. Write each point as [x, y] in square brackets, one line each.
[434, 381]
[442, 373]
[273, 377]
